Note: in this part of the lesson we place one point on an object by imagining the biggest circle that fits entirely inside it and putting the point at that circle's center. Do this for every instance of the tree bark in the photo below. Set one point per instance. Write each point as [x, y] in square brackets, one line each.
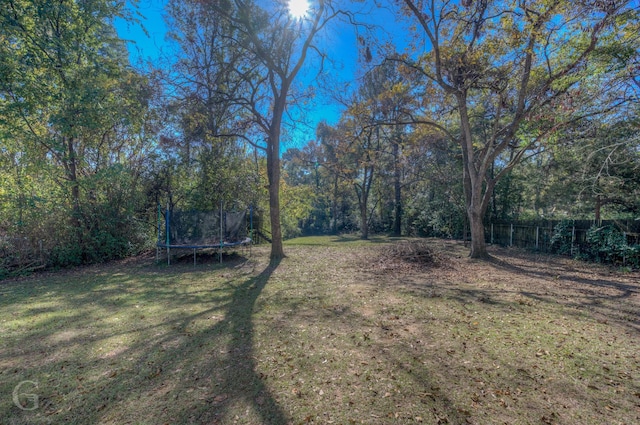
[273, 173]
[397, 186]
[70, 164]
[334, 207]
[364, 226]
[277, 250]
[476, 225]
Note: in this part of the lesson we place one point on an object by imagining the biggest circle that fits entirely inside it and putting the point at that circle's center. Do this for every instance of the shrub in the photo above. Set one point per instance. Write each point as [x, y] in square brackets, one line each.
[562, 239]
[608, 245]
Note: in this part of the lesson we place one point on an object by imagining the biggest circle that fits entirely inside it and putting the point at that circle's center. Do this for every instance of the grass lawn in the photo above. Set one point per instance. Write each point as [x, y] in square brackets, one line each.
[336, 333]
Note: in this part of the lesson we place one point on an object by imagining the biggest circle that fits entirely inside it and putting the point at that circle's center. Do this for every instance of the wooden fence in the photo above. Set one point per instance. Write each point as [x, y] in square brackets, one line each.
[538, 235]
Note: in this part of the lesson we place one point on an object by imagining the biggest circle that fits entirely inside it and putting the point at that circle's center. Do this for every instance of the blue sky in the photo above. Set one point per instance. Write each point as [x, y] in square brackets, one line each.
[144, 46]
[339, 40]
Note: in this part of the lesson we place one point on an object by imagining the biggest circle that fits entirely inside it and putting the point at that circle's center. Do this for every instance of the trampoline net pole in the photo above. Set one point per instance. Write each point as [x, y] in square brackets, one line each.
[158, 240]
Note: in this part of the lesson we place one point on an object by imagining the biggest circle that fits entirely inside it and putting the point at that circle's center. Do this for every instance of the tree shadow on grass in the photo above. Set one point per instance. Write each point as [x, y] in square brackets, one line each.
[240, 378]
[232, 384]
[195, 364]
[610, 297]
[517, 278]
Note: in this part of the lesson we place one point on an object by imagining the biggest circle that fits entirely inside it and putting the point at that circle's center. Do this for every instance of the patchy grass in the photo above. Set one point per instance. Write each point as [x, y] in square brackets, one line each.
[324, 337]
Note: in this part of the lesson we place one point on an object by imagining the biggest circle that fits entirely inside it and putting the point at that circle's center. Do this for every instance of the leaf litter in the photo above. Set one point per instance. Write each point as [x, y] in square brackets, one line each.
[346, 333]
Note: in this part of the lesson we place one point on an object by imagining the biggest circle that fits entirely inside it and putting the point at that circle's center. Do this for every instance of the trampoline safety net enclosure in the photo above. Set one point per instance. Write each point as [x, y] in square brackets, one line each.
[203, 230]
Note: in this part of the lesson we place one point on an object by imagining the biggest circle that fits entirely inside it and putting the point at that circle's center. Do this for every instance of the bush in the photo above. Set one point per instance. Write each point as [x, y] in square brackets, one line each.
[608, 245]
[562, 239]
[99, 233]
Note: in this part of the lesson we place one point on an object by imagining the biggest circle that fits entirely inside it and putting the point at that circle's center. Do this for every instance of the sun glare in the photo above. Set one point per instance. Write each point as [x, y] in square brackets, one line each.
[298, 9]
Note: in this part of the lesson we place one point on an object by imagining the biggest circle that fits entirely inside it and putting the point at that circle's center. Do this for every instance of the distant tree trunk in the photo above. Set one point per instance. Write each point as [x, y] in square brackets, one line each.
[71, 169]
[363, 192]
[364, 226]
[397, 186]
[334, 207]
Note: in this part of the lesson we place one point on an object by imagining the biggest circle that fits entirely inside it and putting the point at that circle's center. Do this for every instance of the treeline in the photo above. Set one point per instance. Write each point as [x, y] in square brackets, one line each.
[417, 191]
[87, 146]
[501, 121]
[76, 131]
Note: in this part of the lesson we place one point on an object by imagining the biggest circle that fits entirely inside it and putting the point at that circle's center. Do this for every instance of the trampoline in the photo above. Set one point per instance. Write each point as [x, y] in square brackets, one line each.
[198, 230]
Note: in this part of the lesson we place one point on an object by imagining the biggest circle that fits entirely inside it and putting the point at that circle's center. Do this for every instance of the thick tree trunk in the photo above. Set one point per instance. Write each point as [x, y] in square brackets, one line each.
[277, 250]
[273, 166]
[480, 192]
[273, 173]
[478, 244]
[364, 226]
[477, 198]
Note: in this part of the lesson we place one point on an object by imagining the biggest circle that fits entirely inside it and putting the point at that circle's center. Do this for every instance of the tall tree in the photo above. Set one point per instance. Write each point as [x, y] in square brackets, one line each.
[73, 104]
[354, 151]
[275, 45]
[203, 112]
[509, 65]
[58, 75]
[392, 105]
[338, 181]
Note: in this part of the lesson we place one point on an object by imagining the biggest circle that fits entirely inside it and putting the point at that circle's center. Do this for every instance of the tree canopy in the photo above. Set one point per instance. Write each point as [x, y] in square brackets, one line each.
[468, 111]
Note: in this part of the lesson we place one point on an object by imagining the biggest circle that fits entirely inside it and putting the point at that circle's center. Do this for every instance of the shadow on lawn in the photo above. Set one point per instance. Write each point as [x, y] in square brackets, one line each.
[231, 373]
[240, 378]
[611, 298]
[521, 278]
[184, 368]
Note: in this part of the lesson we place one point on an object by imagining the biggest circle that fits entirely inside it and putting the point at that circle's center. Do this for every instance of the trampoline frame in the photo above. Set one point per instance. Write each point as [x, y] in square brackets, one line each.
[219, 247]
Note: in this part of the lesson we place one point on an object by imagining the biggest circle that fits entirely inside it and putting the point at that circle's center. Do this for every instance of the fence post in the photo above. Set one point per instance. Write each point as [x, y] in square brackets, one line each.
[573, 238]
[491, 233]
[537, 238]
[511, 236]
